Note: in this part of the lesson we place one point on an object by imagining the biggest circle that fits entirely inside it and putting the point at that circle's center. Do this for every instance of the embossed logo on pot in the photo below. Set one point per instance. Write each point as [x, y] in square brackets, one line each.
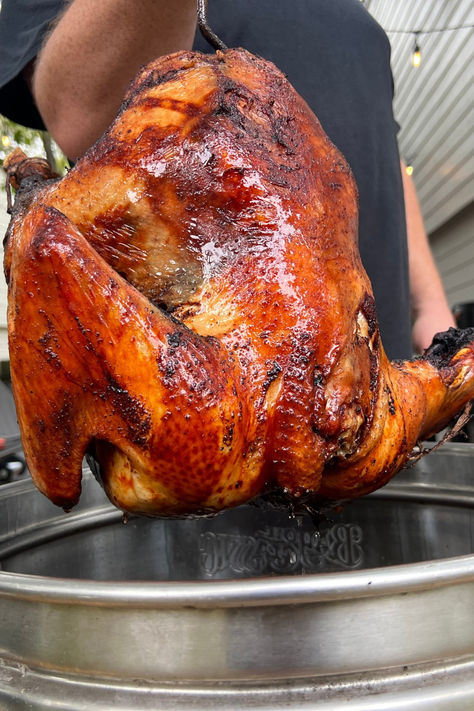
[280, 550]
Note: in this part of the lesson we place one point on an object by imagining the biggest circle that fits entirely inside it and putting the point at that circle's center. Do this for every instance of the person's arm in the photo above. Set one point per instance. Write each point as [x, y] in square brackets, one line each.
[88, 60]
[430, 311]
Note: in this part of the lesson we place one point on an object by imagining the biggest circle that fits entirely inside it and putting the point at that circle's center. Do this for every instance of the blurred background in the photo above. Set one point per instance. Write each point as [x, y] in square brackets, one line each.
[432, 65]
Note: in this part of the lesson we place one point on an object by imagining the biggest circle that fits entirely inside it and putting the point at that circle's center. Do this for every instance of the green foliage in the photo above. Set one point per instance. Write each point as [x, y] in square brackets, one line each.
[33, 143]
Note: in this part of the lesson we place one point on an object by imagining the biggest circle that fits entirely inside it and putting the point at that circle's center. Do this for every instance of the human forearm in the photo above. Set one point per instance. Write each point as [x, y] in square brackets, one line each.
[430, 309]
[90, 57]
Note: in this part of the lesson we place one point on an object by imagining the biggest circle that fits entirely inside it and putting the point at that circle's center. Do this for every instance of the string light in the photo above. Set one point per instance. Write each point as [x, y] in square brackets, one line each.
[416, 56]
[429, 32]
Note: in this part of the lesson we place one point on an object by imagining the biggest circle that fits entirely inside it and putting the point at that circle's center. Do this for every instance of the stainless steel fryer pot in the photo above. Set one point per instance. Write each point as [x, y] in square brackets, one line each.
[371, 607]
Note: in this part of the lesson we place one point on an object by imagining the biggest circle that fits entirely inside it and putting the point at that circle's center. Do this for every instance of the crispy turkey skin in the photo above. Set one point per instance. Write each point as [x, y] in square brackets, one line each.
[188, 305]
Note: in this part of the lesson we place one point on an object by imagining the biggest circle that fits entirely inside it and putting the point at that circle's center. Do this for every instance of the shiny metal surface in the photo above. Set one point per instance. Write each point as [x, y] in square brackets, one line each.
[373, 607]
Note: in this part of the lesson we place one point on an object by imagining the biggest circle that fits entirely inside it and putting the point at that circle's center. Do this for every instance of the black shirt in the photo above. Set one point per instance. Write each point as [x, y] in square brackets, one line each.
[338, 58]
[23, 26]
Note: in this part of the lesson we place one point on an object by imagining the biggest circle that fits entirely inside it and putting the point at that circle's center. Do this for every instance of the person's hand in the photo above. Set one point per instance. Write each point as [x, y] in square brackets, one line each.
[429, 321]
[430, 310]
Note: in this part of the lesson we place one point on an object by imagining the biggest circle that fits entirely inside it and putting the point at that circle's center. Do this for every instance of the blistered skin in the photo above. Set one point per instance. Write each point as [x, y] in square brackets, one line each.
[188, 305]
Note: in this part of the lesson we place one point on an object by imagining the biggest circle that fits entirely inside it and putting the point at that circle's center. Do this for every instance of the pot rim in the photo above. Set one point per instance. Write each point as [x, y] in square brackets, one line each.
[281, 590]
[249, 592]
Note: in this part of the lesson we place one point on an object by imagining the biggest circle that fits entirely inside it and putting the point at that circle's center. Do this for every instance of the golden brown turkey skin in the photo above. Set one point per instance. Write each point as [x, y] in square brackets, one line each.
[189, 305]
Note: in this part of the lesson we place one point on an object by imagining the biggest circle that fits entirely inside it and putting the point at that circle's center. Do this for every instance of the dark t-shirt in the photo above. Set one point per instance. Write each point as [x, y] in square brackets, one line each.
[338, 58]
[23, 25]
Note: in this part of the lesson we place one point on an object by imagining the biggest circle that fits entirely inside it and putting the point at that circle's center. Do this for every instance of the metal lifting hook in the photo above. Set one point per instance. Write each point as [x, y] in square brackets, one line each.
[206, 31]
